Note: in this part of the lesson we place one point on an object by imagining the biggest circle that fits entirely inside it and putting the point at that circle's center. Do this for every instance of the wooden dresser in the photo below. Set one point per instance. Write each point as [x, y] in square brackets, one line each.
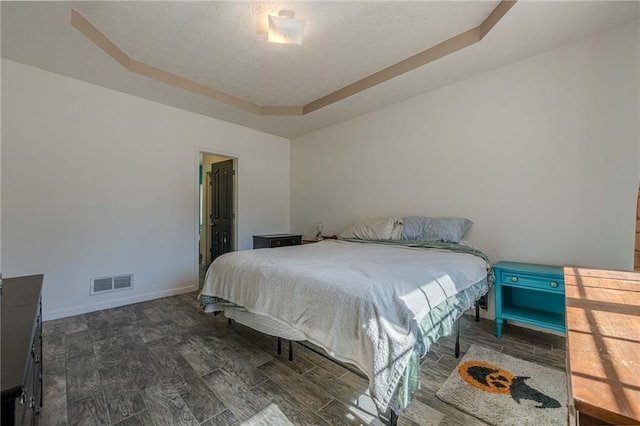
[21, 350]
[603, 346]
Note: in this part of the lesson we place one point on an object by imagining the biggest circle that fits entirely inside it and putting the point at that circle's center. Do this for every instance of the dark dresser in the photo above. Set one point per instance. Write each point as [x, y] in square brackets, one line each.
[21, 350]
[276, 240]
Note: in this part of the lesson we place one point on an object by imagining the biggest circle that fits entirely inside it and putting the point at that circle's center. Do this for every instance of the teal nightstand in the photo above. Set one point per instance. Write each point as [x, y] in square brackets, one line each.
[529, 294]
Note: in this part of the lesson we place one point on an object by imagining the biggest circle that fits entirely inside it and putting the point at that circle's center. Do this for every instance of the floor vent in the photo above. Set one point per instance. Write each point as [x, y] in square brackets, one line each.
[109, 284]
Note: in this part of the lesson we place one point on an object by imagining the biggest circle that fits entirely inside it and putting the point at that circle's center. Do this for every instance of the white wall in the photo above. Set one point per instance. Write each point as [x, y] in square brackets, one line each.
[542, 155]
[115, 185]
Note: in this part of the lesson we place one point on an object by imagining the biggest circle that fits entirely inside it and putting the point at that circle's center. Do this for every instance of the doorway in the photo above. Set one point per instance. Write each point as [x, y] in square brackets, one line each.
[217, 224]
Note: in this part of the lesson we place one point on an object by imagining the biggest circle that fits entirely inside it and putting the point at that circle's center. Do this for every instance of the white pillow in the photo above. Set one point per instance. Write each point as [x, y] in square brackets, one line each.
[384, 229]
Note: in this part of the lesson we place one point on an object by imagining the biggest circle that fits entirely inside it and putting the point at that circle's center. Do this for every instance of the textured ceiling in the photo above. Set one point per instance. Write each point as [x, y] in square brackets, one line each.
[218, 44]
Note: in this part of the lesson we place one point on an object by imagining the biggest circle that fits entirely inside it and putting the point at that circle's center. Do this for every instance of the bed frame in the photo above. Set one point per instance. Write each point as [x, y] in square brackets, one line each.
[393, 417]
[280, 329]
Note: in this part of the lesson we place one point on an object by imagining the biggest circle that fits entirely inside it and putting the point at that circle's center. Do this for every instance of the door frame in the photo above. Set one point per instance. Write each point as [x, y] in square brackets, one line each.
[199, 152]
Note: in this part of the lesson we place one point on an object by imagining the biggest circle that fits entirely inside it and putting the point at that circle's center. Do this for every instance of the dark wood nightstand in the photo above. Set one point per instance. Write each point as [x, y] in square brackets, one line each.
[276, 240]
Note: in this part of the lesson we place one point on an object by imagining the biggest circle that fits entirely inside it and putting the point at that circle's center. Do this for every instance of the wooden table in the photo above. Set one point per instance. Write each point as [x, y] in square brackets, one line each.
[603, 345]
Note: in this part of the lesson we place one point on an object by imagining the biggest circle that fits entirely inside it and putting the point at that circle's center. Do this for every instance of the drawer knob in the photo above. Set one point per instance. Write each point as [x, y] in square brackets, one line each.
[514, 279]
[554, 284]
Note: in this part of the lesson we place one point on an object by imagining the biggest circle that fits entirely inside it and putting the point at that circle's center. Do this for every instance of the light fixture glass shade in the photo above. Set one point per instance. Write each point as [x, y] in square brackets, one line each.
[285, 29]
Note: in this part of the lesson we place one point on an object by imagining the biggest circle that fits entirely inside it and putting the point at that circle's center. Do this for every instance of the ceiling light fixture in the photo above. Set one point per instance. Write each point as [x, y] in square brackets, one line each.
[285, 28]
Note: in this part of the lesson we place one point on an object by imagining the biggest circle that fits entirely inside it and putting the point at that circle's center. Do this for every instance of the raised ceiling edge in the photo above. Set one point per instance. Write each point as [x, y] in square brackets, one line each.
[431, 54]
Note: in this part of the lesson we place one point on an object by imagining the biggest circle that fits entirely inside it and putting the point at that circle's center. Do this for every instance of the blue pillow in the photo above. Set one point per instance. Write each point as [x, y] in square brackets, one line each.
[447, 229]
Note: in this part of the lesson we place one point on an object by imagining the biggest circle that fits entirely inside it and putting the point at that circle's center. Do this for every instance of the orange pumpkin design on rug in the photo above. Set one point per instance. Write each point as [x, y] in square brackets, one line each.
[496, 380]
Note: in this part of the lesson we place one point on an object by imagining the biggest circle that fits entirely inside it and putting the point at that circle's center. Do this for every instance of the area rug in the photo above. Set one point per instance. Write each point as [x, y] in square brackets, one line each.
[502, 390]
[270, 416]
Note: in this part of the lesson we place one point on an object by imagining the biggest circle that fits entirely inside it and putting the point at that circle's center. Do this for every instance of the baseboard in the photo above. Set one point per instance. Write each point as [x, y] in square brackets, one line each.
[114, 303]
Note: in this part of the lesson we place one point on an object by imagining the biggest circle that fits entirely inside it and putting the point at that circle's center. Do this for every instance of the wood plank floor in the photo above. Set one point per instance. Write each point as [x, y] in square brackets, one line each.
[164, 362]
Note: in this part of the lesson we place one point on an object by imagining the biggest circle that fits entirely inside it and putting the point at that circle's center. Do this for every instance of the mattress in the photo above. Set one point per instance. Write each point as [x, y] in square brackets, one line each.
[363, 303]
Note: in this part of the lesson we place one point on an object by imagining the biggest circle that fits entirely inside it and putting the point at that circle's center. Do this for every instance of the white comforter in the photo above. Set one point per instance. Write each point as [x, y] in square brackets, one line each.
[360, 302]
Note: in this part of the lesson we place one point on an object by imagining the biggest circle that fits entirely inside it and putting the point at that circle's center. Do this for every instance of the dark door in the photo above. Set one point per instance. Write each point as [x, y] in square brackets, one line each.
[221, 216]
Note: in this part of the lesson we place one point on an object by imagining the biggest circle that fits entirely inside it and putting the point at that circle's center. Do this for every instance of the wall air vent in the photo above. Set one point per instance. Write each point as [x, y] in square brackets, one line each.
[110, 284]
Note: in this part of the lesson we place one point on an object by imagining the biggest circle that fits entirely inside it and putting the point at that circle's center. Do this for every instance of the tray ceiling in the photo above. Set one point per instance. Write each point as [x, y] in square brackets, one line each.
[219, 45]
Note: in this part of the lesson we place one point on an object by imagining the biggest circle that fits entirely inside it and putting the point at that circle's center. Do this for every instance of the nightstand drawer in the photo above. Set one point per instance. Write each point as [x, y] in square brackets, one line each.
[276, 240]
[532, 281]
[283, 242]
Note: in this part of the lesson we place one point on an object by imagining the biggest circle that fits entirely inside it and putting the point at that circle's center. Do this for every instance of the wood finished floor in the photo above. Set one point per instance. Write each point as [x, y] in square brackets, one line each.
[164, 362]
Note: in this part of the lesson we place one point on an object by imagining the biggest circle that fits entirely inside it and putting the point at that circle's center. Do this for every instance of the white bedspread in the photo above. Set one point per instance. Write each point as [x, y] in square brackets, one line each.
[360, 302]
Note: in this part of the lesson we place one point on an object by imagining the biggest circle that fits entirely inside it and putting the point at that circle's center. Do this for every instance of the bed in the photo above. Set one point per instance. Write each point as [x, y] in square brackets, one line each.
[378, 305]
